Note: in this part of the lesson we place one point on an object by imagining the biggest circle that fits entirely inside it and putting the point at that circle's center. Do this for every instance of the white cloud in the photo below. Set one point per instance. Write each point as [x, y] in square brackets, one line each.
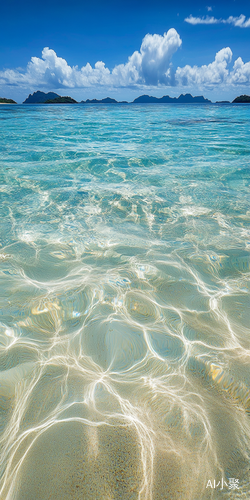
[209, 75]
[216, 73]
[202, 20]
[209, 9]
[53, 71]
[241, 21]
[240, 73]
[149, 66]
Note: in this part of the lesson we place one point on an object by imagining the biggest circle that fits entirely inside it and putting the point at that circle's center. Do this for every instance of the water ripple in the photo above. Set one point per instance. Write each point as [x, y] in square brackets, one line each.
[124, 319]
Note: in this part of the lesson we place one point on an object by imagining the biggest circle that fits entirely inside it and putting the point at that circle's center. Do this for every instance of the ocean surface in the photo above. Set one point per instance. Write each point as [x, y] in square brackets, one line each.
[125, 311]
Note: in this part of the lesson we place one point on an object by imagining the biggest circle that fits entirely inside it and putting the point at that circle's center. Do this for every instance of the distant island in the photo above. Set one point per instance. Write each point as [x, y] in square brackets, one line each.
[183, 98]
[242, 99]
[39, 97]
[61, 100]
[146, 99]
[107, 100]
[3, 100]
[52, 98]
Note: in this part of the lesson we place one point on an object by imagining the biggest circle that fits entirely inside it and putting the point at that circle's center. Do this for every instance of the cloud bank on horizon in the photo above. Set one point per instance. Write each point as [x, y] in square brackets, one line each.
[150, 66]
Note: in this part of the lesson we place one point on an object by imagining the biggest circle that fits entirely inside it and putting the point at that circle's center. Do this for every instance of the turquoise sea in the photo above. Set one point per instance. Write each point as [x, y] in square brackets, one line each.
[125, 311]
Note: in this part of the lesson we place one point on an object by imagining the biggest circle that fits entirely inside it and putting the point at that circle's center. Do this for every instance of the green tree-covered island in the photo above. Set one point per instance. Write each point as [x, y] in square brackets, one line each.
[61, 100]
[3, 100]
[39, 97]
[242, 99]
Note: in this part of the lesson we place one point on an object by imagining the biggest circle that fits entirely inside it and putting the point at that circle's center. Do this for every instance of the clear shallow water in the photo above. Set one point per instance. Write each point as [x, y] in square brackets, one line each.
[124, 341]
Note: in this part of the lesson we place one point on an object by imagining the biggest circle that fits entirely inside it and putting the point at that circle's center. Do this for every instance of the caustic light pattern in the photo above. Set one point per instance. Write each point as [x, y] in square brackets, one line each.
[124, 344]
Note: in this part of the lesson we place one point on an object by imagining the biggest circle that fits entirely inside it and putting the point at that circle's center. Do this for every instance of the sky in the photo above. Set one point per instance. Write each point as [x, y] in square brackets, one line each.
[124, 48]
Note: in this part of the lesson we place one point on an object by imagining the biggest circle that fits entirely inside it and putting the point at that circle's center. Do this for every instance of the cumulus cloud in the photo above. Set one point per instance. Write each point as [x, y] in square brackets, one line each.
[54, 71]
[241, 21]
[208, 75]
[240, 75]
[152, 64]
[215, 73]
[149, 66]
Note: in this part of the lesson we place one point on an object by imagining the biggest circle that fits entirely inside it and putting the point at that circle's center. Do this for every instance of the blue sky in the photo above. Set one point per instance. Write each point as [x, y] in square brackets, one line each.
[125, 48]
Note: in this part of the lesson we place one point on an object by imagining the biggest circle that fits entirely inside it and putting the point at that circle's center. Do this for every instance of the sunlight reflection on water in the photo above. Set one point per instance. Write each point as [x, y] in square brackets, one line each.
[124, 326]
